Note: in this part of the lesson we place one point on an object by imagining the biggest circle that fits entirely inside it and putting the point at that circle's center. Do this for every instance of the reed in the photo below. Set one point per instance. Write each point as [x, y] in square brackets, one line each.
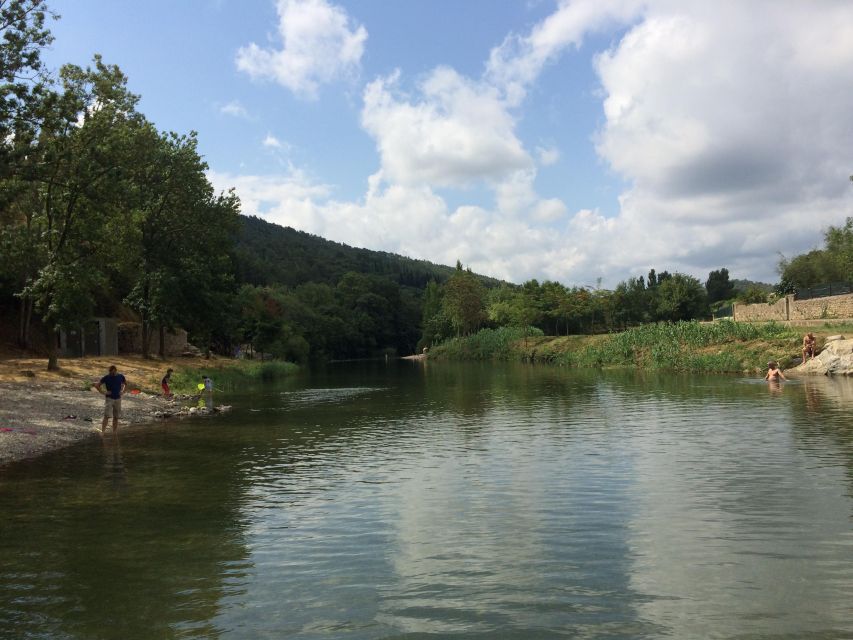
[232, 376]
[679, 346]
[487, 344]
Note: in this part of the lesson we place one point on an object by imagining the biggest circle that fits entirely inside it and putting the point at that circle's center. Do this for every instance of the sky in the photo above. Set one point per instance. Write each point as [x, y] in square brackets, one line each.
[582, 141]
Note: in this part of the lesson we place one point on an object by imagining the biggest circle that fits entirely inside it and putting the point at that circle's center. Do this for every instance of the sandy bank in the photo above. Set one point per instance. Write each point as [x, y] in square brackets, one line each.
[45, 410]
[39, 417]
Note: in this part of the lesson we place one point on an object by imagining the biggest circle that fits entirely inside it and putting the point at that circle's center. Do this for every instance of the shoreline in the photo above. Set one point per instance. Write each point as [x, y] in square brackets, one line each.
[39, 417]
[42, 411]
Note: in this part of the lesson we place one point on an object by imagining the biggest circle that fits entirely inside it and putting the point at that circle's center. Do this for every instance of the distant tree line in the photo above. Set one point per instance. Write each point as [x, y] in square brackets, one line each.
[462, 306]
[832, 263]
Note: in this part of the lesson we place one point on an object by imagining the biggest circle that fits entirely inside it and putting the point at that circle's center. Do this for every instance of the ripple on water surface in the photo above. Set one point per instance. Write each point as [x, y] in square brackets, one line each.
[456, 503]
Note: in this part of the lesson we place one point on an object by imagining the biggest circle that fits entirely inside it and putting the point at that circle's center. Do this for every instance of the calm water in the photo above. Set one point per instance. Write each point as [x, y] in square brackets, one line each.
[411, 501]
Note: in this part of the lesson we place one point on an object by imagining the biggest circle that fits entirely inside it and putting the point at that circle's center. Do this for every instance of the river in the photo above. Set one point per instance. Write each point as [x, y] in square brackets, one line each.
[415, 500]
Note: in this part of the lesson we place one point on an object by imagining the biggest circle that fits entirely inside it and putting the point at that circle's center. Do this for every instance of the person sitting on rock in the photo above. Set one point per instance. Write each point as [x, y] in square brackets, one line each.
[808, 346]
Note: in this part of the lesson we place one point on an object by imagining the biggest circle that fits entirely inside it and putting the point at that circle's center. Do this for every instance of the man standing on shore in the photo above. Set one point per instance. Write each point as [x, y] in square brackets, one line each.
[115, 384]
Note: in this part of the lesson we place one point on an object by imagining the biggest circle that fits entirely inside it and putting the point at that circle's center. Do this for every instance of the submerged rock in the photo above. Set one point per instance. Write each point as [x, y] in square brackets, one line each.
[836, 359]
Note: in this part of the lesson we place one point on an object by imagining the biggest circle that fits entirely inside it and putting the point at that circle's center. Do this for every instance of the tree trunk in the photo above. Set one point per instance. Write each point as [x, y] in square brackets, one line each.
[25, 321]
[52, 349]
[146, 337]
[162, 350]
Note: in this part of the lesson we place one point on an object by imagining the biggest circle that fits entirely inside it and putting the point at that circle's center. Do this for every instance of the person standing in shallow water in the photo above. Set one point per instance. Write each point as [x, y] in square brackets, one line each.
[208, 392]
[774, 373]
[115, 384]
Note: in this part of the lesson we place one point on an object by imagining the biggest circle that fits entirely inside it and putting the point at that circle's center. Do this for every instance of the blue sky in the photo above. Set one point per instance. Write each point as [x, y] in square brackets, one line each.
[572, 141]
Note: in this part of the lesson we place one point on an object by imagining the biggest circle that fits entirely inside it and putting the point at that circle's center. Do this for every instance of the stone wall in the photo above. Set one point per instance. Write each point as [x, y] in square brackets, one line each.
[831, 307]
[828, 308]
[761, 312]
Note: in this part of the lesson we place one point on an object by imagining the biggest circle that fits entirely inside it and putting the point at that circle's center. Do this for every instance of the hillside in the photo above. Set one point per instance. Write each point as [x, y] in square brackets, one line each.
[269, 254]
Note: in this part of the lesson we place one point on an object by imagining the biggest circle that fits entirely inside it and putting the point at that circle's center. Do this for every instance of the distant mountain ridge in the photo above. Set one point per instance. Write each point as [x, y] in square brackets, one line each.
[269, 254]
[742, 285]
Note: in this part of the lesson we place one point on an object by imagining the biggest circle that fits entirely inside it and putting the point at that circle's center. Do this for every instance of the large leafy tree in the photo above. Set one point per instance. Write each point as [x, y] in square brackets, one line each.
[71, 193]
[464, 301]
[681, 297]
[176, 222]
[23, 35]
[833, 263]
[718, 285]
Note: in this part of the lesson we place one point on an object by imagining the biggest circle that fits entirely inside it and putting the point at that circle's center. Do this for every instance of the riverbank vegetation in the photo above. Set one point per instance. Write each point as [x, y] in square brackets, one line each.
[722, 346]
[232, 376]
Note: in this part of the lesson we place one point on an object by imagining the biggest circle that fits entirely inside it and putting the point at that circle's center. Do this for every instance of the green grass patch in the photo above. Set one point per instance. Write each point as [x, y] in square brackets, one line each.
[231, 376]
[487, 344]
[681, 346]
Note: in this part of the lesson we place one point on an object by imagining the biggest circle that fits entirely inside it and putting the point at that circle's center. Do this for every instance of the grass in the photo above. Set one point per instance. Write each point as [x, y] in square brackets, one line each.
[681, 346]
[234, 375]
[487, 344]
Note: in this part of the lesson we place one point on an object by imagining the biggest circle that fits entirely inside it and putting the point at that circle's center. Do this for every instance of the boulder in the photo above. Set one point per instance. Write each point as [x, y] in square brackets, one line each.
[836, 359]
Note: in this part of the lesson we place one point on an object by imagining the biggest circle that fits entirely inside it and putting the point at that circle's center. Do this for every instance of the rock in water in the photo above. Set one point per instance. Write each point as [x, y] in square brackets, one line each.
[836, 359]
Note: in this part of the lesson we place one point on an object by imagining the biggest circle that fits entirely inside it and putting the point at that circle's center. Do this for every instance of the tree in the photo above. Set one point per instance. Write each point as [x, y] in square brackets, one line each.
[464, 301]
[718, 286]
[752, 295]
[632, 302]
[435, 324]
[174, 215]
[681, 297]
[23, 35]
[839, 244]
[71, 176]
[820, 266]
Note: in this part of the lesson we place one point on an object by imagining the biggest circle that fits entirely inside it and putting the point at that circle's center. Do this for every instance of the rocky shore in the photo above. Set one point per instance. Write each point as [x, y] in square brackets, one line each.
[36, 417]
[835, 359]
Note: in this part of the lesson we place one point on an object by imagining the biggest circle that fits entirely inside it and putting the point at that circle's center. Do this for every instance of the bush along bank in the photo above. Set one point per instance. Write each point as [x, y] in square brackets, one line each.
[681, 346]
[231, 376]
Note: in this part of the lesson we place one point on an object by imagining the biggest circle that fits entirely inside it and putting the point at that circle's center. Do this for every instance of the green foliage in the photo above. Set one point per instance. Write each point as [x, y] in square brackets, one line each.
[268, 254]
[833, 263]
[753, 295]
[718, 286]
[231, 378]
[486, 344]
[679, 346]
[23, 35]
[463, 302]
[681, 297]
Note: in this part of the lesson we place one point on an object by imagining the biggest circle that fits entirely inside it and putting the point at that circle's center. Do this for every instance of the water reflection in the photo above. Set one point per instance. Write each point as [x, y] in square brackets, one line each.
[89, 554]
[457, 501]
[114, 470]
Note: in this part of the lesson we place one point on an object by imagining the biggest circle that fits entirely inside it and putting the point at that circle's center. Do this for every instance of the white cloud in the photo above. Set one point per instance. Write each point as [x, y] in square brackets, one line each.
[733, 134]
[272, 142]
[728, 121]
[517, 63]
[455, 132]
[234, 108]
[547, 156]
[319, 45]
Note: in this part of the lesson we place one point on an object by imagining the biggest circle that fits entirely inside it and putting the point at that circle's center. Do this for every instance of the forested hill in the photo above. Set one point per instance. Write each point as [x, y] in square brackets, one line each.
[269, 254]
